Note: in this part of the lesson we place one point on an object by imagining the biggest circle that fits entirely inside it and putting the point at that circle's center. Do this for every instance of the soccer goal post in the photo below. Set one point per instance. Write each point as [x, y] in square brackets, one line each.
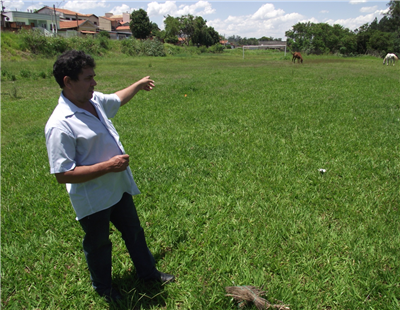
[264, 47]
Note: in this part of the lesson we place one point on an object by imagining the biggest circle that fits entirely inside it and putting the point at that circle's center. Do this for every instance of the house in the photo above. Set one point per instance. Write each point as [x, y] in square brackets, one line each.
[181, 41]
[123, 32]
[18, 19]
[114, 21]
[105, 24]
[67, 15]
[77, 28]
[122, 18]
[116, 25]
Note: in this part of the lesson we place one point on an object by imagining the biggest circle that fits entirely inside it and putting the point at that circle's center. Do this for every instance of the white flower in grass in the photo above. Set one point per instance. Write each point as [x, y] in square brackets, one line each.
[322, 171]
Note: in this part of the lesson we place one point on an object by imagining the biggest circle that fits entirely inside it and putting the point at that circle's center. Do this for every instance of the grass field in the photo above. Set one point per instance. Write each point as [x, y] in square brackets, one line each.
[226, 153]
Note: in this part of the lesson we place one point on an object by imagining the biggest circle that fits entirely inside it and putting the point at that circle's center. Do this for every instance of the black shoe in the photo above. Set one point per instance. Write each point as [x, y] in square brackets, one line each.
[165, 277]
[161, 277]
[111, 295]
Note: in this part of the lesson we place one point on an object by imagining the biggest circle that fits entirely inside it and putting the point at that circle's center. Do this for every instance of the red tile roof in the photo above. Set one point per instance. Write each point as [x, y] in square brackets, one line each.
[69, 12]
[71, 24]
[123, 28]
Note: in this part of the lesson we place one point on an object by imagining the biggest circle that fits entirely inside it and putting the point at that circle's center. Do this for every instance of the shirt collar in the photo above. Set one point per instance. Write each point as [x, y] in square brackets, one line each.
[68, 108]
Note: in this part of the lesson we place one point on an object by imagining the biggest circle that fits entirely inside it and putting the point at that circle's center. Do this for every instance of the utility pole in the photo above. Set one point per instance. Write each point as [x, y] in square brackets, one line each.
[3, 24]
[55, 19]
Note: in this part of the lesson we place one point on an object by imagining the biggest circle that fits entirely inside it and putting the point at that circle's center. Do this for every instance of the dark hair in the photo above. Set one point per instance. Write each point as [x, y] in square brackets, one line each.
[70, 64]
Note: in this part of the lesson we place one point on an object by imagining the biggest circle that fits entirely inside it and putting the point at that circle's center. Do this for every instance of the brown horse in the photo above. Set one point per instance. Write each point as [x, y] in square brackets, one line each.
[297, 55]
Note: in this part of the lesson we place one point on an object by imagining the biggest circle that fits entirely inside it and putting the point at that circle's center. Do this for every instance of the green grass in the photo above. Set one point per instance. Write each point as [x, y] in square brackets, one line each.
[231, 193]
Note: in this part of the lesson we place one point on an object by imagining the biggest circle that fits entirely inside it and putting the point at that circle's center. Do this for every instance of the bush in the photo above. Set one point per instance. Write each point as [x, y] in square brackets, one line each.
[171, 49]
[11, 77]
[216, 48]
[131, 47]
[193, 50]
[87, 44]
[104, 42]
[37, 43]
[103, 34]
[58, 44]
[34, 41]
[135, 47]
[203, 49]
[25, 73]
[153, 48]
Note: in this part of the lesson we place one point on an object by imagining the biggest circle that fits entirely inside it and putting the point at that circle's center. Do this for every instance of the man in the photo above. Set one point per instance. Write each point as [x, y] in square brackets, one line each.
[85, 153]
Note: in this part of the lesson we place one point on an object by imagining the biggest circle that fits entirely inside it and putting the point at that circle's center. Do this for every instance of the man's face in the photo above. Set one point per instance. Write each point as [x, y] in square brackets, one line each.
[82, 89]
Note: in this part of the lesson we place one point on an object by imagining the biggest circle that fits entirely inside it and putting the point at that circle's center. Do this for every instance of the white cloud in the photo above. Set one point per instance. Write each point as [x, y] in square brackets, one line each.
[118, 10]
[36, 6]
[353, 23]
[79, 6]
[357, 1]
[249, 27]
[266, 21]
[324, 12]
[13, 5]
[199, 8]
[162, 9]
[368, 9]
[267, 11]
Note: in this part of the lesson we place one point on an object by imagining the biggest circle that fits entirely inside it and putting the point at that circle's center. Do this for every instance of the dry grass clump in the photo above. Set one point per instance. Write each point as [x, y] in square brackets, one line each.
[246, 294]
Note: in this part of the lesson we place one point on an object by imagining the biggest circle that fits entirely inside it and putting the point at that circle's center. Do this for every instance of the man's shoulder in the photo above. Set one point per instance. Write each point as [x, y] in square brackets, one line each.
[100, 97]
[59, 115]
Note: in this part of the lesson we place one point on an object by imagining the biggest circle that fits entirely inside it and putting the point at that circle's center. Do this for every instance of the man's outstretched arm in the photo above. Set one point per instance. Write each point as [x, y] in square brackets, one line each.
[127, 94]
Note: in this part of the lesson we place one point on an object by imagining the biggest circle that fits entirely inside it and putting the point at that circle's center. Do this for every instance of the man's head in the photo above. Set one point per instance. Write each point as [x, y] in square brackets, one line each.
[71, 64]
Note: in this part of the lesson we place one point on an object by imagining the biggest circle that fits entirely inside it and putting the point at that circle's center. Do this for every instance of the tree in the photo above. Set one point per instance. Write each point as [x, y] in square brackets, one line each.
[187, 27]
[394, 10]
[171, 25]
[190, 29]
[214, 36]
[394, 22]
[321, 38]
[140, 24]
[264, 38]
[204, 35]
[380, 41]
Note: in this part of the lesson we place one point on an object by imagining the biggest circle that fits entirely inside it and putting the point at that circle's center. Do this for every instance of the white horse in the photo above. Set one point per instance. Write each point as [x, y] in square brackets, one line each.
[390, 57]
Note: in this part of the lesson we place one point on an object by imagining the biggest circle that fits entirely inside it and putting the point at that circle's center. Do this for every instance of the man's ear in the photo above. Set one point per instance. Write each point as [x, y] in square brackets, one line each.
[67, 81]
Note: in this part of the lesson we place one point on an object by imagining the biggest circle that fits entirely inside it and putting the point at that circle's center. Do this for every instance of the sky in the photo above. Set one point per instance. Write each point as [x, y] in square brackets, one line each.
[250, 19]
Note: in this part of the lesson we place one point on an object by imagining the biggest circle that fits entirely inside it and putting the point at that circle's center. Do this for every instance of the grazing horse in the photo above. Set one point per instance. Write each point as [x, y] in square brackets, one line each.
[297, 55]
[390, 57]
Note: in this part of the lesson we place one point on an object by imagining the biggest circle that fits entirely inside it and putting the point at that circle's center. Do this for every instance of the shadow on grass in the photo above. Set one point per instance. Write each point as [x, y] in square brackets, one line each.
[138, 294]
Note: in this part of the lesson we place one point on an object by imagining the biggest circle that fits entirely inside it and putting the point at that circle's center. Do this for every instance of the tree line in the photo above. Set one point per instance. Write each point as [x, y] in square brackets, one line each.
[375, 38]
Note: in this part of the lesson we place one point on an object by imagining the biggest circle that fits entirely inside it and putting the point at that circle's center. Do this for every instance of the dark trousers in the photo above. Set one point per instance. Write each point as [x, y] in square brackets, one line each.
[97, 245]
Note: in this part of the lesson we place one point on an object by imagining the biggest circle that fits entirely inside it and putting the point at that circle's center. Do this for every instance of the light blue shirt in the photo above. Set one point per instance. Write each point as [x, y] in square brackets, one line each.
[75, 137]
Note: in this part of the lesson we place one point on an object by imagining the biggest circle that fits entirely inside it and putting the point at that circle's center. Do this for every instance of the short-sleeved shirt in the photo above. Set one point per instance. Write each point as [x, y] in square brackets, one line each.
[75, 137]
